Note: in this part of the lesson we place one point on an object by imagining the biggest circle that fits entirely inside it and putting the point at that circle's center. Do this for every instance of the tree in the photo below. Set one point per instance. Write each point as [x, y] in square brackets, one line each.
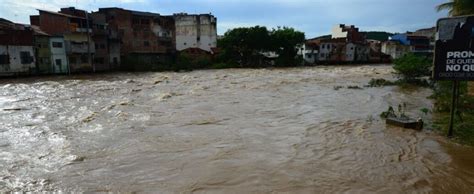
[458, 7]
[411, 67]
[284, 42]
[244, 45]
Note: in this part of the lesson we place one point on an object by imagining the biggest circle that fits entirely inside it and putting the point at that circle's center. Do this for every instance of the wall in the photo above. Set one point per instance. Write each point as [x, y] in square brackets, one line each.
[59, 54]
[350, 52]
[338, 32]
[15, 65]
[195, 31]
[53, 24]
[394, 49]
[43, 54]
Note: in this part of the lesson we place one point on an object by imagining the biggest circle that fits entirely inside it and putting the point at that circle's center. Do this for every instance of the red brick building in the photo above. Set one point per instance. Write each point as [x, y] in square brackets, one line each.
[147, 39]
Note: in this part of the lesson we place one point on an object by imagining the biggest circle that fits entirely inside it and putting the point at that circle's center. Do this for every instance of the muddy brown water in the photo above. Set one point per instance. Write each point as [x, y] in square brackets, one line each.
[215, 131]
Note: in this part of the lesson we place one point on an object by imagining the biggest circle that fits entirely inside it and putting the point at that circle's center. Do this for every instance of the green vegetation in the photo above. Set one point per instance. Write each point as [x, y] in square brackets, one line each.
[380, 36]
[464, 116]
[412, 67]
[244, 47]
[457, 7]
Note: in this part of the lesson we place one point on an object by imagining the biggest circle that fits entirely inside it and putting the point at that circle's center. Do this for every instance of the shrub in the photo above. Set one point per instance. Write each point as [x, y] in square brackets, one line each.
[412, 67]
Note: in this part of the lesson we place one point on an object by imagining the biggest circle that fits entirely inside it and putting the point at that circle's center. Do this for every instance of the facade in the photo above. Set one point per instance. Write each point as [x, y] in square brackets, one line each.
[395, 49]
[418, 44]
[195, 31]
[59, 60]
[16, 49]
[332, 50]
[350, 33]
[100, 38]
[147, 39]
[309, 51]
[42, 51]
[74, 26]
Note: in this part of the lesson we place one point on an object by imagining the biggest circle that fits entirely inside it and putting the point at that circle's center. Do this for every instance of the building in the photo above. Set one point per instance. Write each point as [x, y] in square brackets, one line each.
[332, 50]
[59, 61]
[42, 51]
[75, 26]
[195, 31]
[395, 49]
[16, 49]
[107, 49]
[418, 44]
[309, 52]
[349, 33]
[147, 39]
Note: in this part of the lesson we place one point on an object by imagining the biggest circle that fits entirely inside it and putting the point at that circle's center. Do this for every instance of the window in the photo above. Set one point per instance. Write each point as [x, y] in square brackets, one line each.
[72, 60]
[96, 46]
[115, 60]
[59, 62]
[146, 43]
[57, 45]
[135, 21]
[185, 44]
[4, 59]
[198, 38]
[99, 60]
[25, 57]
[84, 59]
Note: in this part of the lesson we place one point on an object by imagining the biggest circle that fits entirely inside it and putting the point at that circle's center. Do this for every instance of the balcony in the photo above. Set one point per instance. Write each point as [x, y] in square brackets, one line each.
[73, 47]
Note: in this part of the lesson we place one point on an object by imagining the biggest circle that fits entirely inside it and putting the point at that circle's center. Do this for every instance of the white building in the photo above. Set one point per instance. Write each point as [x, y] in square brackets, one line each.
[58, 55]
[350, 52]
[16, 59]
[309, 53]
[395, 49]
[16, 49]
[195, 31]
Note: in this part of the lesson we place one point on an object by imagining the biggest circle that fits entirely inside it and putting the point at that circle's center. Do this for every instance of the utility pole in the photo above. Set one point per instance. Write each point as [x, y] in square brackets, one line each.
[89, 43]
[454, 103]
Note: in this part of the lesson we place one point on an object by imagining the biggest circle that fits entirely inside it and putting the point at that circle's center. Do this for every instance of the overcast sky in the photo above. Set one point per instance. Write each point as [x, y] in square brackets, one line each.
[314, 17]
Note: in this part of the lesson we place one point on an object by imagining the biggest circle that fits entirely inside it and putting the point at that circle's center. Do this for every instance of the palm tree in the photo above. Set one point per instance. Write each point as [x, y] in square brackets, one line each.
[458, 7]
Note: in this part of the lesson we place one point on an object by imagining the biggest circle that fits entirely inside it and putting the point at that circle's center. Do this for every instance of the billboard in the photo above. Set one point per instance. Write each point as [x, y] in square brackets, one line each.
[454, 49]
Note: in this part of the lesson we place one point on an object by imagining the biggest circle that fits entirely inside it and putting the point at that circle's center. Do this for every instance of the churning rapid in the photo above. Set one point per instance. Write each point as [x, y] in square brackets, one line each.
[238, 130]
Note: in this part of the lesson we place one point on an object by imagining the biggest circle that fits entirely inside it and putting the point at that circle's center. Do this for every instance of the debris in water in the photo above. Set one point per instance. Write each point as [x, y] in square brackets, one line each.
[124, 103]
[405, 123]
[166, 96]
[89, 118]
[15, 109]
[354, 87]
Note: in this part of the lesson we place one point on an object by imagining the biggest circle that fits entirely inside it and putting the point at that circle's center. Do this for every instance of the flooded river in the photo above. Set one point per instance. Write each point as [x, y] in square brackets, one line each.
[238, 131]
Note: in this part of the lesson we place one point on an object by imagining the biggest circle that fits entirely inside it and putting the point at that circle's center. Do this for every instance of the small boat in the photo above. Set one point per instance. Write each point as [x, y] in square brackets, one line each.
[406, 123]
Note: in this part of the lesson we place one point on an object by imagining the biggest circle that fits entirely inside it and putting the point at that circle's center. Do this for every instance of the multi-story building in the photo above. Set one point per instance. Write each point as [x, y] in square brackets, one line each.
[309, 51]
[16, 49]
[107, 48]
[75, 26]
[349, 33]
[42, 51]
[395, 49]
[195, 31]
[147, 39]
[418, 44]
